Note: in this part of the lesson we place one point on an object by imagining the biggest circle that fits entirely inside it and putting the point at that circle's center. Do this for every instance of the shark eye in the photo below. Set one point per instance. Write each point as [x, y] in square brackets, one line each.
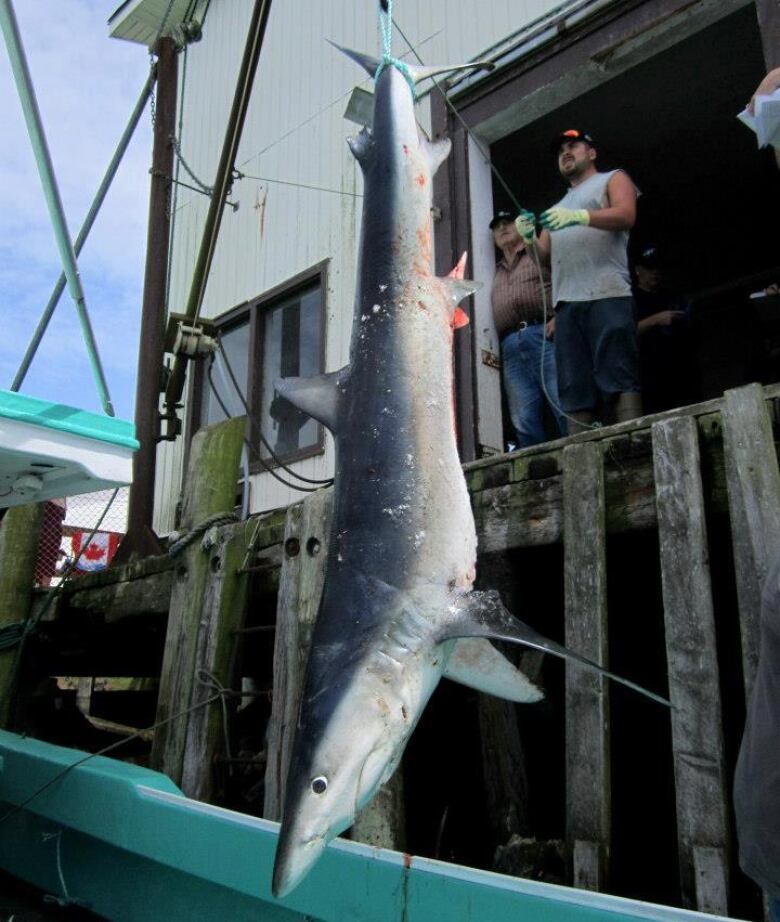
[319, 784]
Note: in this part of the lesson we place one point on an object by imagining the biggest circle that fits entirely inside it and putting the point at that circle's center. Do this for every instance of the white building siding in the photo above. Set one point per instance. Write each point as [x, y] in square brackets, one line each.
[295, 132]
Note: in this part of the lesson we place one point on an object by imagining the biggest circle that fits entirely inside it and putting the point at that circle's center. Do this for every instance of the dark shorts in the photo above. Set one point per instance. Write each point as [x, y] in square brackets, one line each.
[596, 352]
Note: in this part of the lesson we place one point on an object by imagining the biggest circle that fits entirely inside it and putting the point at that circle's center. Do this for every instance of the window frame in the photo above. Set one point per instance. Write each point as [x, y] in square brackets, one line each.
[256, 310]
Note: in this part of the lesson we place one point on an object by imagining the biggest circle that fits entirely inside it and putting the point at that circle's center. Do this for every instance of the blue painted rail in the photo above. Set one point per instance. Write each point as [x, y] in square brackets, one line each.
[125, 842]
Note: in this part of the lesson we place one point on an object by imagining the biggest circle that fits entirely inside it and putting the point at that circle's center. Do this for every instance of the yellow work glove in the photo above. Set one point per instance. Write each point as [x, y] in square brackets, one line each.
[557, 218]
[525, 223]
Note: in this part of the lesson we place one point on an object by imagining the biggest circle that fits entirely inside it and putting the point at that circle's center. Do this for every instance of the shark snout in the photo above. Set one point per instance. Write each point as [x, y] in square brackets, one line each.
[294, 859]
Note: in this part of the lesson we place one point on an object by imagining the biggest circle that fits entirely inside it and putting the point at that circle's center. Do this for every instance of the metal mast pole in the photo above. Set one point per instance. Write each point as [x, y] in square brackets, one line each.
[32, 116]
[86, 227]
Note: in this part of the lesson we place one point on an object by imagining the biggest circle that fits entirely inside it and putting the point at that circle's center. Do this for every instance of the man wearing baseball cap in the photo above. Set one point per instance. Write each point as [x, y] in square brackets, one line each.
[585, 237]
[527, 356]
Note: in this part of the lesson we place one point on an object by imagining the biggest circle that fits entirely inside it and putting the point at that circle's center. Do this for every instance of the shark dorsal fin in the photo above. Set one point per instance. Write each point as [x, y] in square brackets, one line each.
[483, 614]
[318, 396]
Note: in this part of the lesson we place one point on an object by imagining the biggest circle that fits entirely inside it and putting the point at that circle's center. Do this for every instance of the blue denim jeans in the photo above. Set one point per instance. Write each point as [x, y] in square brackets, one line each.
[521, 361]
[774, 908]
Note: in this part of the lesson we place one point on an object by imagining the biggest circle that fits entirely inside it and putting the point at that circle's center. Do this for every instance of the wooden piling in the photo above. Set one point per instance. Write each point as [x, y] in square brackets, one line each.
[19, 536]
[210, 488]
[754, 503]
[697, 736]
[587, 707]
[224, 606]
[305, 551]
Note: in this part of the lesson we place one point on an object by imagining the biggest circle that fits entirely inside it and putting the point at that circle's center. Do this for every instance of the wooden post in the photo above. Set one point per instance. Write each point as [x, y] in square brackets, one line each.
[210, 488]
[697, 736]
[503, 754]
[588, 805]
[754, 502]
[305, 552]
[19, 535]
[224, 606]
[306, 540]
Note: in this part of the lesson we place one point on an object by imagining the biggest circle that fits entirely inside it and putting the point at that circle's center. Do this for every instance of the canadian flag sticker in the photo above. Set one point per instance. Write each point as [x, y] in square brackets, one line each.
[98, 553]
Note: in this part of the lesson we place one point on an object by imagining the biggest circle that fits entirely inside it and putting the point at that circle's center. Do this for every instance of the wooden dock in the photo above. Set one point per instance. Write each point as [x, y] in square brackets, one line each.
[688, 483]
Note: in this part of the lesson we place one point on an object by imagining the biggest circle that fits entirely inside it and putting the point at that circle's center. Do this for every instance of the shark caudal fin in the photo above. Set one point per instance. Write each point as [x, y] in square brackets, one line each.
[416, 72]
[483, 614]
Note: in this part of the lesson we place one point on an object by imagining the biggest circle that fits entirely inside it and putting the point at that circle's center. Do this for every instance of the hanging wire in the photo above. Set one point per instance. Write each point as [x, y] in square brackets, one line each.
[252, 448]
[17, 808]
[253, 422]
[533, 247]
[298, 185]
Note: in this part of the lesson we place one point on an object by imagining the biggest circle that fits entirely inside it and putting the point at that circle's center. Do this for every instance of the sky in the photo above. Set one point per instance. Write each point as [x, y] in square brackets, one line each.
[86, 85]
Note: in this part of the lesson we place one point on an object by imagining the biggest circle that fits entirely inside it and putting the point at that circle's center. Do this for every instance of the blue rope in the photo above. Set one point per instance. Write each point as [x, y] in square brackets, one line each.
[387, 60]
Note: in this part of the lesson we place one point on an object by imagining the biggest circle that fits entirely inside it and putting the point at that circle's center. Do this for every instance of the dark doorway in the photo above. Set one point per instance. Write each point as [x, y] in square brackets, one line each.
[706, 189]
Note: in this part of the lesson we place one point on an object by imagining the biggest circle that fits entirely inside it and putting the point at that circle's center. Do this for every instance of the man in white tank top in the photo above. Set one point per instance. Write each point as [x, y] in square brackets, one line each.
[585, 238]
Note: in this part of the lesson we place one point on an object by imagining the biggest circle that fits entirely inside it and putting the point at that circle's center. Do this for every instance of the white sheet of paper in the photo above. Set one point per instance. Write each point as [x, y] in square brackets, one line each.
[766, 121]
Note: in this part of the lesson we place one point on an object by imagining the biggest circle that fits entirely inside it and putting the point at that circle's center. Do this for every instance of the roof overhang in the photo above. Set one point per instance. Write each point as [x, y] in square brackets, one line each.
[139, 20]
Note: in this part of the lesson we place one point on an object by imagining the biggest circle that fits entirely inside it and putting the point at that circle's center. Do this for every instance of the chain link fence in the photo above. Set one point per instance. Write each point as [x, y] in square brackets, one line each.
[67, 532]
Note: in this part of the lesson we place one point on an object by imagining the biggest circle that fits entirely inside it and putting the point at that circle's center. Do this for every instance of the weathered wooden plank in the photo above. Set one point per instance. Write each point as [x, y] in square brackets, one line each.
[224, 606]
[697, 737]
[303, 572]
[19, 533]
[126, 599]
[527, 511]
[754, 501]
[588, 802]
[711, 869]
[210, 488]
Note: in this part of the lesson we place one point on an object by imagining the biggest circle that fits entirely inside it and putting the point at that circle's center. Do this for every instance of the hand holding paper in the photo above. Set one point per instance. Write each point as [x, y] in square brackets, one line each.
[762, 114]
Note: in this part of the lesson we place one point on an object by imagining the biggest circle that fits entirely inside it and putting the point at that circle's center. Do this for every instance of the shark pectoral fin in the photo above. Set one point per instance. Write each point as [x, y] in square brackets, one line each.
[317, 396]
[483, 614]
[477, 663]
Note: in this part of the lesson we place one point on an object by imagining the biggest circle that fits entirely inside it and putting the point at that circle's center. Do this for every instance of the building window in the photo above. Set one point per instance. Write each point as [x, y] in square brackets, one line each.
[279, 335]
[292, 347]
[236, 342]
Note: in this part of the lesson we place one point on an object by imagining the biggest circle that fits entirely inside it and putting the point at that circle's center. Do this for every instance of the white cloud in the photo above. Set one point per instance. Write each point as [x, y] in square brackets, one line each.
[86, 84]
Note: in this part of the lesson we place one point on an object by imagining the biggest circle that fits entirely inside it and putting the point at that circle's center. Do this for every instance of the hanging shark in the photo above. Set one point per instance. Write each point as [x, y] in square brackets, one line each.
[398, 610]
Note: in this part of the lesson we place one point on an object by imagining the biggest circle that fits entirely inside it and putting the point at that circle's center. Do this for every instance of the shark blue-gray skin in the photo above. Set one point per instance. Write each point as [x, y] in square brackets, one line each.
[398, 611]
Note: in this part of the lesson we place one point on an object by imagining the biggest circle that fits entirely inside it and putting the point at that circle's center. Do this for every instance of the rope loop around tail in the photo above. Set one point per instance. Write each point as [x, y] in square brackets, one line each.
[387, 59]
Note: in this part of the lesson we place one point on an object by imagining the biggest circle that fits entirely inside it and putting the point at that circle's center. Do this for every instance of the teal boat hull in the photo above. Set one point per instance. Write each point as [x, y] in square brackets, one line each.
[124, 842]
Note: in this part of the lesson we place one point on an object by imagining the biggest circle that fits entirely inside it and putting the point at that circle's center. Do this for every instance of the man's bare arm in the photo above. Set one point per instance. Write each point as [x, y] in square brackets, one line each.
[620, 213]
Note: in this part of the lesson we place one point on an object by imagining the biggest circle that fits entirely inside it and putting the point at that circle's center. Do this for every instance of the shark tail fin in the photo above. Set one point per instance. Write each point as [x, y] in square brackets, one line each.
[483, 614]
[417, 72]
